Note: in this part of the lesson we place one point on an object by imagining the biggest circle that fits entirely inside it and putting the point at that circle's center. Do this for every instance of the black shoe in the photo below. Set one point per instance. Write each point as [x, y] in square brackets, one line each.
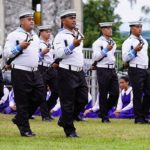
[139, 121]
[46, 119]
[105, 121]
[147, 121]
[27, 134]
[52, 118]
[33, 133]
[31, 117]
[60, 123]
[72, 135]
[14, 120]
[78, 118]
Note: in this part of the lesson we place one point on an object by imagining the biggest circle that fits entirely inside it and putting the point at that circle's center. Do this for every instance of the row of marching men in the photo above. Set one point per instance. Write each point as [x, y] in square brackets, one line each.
[30, 76]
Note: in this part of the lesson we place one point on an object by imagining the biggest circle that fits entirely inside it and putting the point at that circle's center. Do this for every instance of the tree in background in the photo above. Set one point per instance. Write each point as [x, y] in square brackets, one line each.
[95, 11]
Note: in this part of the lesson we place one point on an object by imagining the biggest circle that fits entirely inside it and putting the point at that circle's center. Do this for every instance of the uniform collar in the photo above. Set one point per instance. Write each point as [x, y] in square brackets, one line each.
[133, 36]
[127, 91]
[61, 29]
[66, 31]
[42, 41]
[20, 29]
[104, 39]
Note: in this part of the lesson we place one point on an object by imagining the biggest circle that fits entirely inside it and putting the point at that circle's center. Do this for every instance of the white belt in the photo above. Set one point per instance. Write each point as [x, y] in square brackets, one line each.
[139, 66]
[44, 64]
[109, 66]
[70, 67]
[25, 68]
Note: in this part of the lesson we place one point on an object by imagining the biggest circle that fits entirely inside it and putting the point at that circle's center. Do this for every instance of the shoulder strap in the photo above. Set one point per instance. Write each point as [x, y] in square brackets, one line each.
[66, 43]
[102, 57]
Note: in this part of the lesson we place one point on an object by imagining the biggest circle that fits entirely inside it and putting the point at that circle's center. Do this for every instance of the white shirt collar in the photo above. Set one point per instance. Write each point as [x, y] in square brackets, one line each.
[66, 31]
[20, 29]
[104, 39]
[42, 41]
[133, 36]
[127, 91]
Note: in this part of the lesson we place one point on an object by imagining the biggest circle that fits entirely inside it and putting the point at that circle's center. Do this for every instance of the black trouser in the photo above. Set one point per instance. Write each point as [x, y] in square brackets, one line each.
[28, 93]
[140, 81]
[1, 85]
[50, 79]
[108, 90]
[73, 91]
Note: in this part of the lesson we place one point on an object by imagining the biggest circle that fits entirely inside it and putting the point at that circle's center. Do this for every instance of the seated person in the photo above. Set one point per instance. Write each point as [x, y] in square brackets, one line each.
[4, 99]
[56, 110]
[92, 112]
[12, 105]
[125, 102]
[11, 109]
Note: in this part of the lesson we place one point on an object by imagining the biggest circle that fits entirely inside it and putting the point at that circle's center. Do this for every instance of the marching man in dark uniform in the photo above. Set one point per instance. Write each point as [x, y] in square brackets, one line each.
[26, 79]
[135, 53]
[1, 85]
[1, 77]
[73, 90]
[104, 55]
[46, 58]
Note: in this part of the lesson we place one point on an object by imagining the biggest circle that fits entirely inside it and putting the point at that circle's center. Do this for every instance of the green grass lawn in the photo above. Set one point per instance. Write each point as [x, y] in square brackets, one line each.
[119, 135]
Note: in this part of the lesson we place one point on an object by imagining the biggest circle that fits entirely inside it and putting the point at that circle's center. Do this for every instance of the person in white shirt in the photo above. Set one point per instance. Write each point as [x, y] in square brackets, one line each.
[49, 74]
[135, 53]
[57, 107]
[125, 102]
[11, 108]
[104, 55]
[95, 107]
[73, 90]
[4, 99]
[27, 81]
[12, 103]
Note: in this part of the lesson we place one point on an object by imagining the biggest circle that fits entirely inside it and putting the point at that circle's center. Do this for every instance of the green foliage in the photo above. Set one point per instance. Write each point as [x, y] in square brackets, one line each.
[119, 40]
[96, 11]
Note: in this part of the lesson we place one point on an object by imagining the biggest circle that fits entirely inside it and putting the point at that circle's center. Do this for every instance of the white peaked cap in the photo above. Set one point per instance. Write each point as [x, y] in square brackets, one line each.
[44, 27]
[106, 24]
[26, 13]
[135, 23]
[69, 12]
